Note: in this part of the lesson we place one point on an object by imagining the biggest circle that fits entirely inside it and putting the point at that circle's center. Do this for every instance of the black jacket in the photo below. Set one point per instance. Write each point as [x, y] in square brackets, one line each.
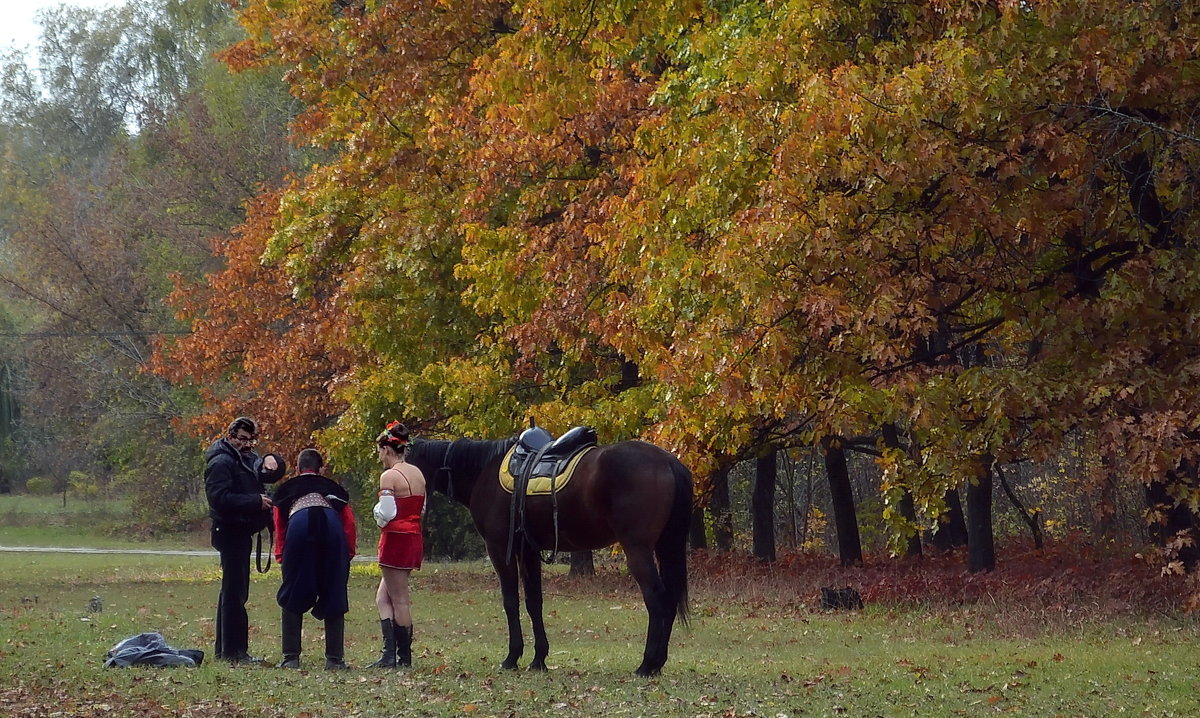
[233, 483]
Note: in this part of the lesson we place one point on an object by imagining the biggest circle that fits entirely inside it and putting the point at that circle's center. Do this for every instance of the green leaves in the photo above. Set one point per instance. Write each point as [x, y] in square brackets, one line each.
[716, 224]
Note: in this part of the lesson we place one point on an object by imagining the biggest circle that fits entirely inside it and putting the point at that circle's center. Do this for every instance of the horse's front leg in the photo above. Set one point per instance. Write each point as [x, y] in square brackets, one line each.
[507, 573]
[531, 571]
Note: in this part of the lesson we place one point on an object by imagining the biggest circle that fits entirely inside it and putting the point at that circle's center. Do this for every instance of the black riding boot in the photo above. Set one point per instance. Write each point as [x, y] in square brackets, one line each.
[335, 642]
[387, 659]
[404, 638]
[293, 627]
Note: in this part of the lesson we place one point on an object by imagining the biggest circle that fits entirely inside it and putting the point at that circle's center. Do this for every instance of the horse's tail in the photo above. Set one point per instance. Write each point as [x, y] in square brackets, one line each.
[672, 544]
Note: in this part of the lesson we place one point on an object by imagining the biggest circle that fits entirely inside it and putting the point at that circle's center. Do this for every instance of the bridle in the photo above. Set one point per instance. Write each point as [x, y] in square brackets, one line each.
[446, 468]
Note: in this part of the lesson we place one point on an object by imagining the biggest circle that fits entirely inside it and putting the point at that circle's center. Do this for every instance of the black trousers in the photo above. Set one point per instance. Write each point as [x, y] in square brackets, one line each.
[233, 625]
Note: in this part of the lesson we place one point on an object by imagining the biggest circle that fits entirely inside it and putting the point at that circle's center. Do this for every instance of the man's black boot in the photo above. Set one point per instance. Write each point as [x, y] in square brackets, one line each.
[293, 628]
[335, 643]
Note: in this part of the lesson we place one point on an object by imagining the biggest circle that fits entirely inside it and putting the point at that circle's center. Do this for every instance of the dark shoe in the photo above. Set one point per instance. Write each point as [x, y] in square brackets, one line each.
[387, 658]
[292, 663]
[336, 664]
[404, 638]
[385, 661]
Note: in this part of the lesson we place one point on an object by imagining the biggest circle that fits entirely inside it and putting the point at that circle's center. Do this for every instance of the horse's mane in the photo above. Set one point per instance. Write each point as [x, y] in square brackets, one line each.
[465, 456]
[473, 454]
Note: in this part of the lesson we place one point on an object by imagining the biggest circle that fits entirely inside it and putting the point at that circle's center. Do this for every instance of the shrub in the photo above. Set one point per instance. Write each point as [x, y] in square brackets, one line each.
[83, 485]
[39, 486]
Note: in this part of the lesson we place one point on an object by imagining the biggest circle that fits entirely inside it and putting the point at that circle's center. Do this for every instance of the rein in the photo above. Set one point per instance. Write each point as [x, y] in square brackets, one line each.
[258, 550]
[429, 494]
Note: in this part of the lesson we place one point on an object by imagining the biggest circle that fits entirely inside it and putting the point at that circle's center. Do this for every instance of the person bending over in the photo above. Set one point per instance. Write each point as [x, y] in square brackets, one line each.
[315, 539]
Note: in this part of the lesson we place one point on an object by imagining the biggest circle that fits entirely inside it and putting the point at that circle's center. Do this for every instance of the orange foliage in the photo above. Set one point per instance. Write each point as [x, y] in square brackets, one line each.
[256, 349]
[727, 225]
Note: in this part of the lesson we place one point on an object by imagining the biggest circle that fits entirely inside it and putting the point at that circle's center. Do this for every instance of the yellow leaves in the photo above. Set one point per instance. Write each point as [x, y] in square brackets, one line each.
[767, 214]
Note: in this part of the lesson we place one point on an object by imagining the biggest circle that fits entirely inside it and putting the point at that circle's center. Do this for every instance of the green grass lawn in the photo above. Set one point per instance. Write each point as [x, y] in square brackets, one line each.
[761, 657]
[93, 523]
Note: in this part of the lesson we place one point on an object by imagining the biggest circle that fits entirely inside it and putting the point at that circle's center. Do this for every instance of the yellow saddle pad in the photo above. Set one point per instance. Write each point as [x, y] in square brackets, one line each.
[539, 485]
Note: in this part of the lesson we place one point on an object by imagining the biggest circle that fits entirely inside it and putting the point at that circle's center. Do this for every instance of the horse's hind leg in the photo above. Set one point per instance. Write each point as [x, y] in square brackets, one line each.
[531, 570]
[654, 593]
[507, 573]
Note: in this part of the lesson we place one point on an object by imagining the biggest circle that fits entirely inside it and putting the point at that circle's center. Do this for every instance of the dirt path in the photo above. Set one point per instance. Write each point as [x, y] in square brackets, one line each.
[82, 549]
[147, 551]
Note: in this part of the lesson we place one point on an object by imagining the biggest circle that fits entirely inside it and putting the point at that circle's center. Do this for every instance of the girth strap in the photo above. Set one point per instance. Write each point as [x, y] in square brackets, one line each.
[516, 509]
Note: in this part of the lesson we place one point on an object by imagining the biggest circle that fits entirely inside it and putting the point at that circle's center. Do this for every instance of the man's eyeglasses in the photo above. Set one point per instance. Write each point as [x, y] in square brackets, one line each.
[243, 439]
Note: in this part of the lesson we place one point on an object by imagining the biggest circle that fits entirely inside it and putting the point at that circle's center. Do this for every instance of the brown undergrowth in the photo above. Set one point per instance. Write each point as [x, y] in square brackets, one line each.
[1069, 582]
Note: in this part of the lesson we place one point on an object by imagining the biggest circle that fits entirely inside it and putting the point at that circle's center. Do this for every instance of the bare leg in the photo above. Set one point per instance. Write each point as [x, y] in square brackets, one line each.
[387, 659]
[382, 601]
[395, 581]
[393, 590]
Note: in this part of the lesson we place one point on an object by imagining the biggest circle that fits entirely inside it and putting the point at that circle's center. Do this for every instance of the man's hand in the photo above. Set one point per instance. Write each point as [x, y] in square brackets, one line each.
[266, 502]
[270, 464]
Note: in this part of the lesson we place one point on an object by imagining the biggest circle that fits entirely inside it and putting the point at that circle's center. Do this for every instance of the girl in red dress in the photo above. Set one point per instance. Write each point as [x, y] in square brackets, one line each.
[398, 512]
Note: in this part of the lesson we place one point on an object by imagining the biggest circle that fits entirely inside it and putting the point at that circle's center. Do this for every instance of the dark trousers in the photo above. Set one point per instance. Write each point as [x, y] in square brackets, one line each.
[316, 564]
[233, 626]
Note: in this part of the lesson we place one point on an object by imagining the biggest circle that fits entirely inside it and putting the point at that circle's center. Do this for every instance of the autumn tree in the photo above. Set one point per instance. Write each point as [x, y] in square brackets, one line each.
[727, 226]
[115, 175]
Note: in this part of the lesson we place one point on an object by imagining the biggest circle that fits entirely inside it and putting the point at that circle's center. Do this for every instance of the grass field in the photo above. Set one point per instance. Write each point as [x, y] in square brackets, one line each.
[747, 653]
[1063, 633]
[95, 523]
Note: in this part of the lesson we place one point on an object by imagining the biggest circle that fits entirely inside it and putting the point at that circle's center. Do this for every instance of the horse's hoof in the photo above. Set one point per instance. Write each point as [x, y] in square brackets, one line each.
[644, 672]
[538, 666]
[508, 666]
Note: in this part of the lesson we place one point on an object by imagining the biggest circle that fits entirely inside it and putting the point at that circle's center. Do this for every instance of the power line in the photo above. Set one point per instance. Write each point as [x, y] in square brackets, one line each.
[52, 335]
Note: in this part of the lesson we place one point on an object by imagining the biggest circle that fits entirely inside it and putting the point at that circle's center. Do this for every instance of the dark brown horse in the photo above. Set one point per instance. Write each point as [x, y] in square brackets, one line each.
[632, 493]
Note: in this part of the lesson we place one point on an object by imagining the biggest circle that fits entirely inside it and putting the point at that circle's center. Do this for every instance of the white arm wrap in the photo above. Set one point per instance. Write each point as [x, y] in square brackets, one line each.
[385, 510]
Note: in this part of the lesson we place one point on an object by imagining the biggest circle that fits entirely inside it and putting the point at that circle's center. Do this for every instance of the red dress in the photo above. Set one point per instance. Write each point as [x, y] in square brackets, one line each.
[400, 542]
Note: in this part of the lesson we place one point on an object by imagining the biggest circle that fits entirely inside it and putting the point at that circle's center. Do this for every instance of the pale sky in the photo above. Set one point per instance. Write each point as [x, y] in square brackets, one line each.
[18, 28]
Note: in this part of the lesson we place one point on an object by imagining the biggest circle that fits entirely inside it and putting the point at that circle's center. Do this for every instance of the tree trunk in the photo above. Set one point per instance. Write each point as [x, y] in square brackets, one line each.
[763, 506]
[806, 515]
[908, 509]
[952, 526]
[1171, 518]
[845, 520]
[981, 548]
[720, 509]
[1032, 519]
[697, 536]
[582, 564]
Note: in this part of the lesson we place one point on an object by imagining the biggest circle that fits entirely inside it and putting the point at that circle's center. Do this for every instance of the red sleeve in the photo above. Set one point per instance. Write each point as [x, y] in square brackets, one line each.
[280, 533]
[350, 529]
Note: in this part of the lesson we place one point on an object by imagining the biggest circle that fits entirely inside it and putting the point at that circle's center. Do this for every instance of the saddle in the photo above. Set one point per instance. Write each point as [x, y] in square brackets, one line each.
[540, 464]
[538, 455]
